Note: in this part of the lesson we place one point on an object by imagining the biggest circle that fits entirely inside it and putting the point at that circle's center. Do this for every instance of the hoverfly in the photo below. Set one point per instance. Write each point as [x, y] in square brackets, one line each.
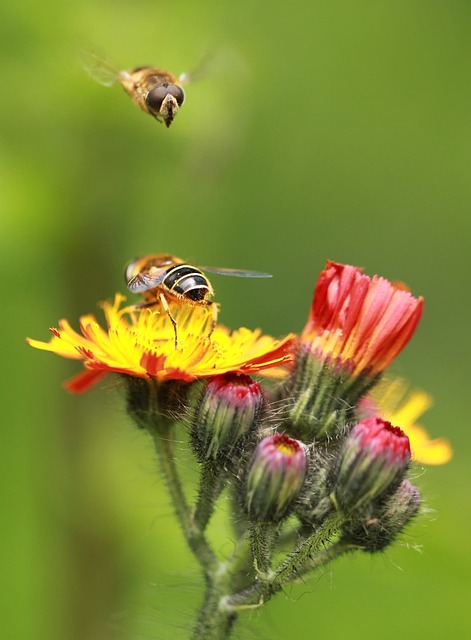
[161, 277]
[155, 91]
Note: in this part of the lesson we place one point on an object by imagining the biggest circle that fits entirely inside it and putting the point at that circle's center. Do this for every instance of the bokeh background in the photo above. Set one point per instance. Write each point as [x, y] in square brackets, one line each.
[336, 130]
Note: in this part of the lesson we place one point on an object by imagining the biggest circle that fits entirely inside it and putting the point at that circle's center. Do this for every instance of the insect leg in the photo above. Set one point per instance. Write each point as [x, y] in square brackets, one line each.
[164, 302]
[214, 319]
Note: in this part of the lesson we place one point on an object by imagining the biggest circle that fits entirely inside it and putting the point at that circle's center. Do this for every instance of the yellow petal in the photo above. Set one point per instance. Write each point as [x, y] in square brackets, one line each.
[140, 341]
[426, 451]
[394, 403]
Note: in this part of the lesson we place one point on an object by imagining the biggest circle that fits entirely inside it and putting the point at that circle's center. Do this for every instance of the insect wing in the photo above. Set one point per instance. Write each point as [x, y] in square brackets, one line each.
[146, 281]
[221, 63]
[200, 70]
[238, 273]
[100, 68]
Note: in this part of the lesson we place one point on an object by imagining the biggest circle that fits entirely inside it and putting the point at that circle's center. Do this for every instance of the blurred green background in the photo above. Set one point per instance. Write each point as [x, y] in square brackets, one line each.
[336, 130]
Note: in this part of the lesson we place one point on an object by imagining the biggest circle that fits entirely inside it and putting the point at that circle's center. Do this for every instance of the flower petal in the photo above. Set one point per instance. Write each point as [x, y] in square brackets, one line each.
[139, 341]
[360, 322]
[392, 400]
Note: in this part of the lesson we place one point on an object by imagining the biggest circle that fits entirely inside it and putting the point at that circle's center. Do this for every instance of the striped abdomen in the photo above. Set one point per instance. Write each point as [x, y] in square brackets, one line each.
[184, 281]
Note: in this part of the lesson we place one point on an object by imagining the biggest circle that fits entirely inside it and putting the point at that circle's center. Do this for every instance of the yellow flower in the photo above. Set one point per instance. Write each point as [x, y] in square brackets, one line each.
[140, 342]
[393, 402]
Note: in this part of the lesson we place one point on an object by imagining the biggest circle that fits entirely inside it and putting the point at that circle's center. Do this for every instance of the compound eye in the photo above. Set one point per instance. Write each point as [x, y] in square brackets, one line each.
[130, 270]
[156, 96]
[177, 93]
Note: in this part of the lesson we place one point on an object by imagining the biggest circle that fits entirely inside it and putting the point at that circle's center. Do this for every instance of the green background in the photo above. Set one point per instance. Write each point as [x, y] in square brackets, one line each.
[337, 130]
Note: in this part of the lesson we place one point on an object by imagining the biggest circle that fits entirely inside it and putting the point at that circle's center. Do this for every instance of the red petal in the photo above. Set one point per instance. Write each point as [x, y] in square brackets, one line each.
[84, 380]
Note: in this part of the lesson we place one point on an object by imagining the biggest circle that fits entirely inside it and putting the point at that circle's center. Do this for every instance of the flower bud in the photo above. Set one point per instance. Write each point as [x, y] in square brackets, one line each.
[386, 520]
[373, 459]
[356, 327]
[275, 478]
[228, 410]
[324, 396]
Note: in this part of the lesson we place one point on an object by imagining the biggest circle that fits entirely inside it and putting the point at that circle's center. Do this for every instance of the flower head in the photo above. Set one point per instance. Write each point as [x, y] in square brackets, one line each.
[229, 408]
[392, 401]
[275, 477]
[373, 458]
[139, 341]
[357, 322]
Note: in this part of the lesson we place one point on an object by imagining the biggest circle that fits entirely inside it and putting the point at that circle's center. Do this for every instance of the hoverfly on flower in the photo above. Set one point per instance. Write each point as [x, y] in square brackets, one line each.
[162, 277]
[154, 90]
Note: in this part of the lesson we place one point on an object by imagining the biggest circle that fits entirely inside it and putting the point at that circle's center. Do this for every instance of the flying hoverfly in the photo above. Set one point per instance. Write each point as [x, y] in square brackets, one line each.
[155, 91]
[160, 277]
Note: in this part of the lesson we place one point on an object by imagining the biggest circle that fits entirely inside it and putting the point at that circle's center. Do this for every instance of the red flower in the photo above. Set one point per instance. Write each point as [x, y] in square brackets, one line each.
[357, 322]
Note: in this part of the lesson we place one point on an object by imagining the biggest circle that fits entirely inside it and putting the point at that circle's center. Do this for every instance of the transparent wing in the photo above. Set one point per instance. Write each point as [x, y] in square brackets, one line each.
[99, 67]
[206, 66]
[145, 281]
[238, 273]
[219, 61]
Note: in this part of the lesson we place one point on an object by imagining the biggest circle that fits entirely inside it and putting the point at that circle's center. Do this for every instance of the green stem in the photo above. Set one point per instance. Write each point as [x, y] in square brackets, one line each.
[215, 622]
[238, 518]
[293, 566]
[263, 536]
[305, 558]
[212, 480]
[233, 585]
[164, 441]
[322, 558]
[239, 567]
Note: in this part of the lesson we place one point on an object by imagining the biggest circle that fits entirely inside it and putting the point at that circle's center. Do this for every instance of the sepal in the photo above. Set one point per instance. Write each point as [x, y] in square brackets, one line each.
[382, 523]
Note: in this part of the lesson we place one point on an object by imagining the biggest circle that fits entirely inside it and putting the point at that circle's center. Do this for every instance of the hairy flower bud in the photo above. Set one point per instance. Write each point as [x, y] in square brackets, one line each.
[154, 404]
[386, 520]
[373, 459]
[229, 408]
[275, 478]
[324, 394]
[356, 327]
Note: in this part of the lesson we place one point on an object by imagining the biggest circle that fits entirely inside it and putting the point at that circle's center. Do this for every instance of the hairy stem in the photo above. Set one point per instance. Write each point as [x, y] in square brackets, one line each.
[213, 622]
[212, 480]
[246, 580]
[304, 559]
[292, 567]
[263, 537]
[164, 442]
